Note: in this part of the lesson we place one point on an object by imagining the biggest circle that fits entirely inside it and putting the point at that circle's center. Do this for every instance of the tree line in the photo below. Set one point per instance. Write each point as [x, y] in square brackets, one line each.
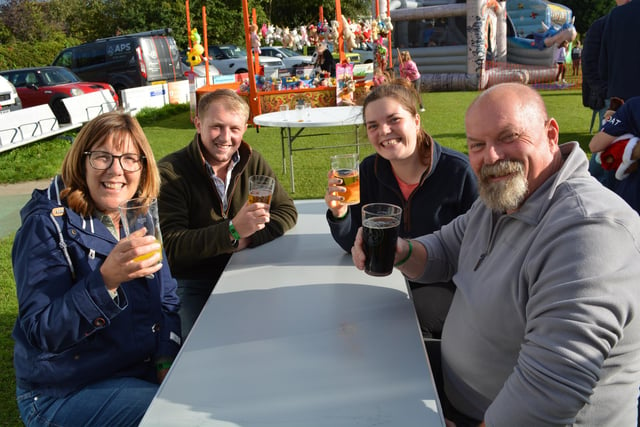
[32, 32]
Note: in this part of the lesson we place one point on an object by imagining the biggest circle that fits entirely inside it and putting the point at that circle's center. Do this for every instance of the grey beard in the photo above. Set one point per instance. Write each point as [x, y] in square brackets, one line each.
[506, 195]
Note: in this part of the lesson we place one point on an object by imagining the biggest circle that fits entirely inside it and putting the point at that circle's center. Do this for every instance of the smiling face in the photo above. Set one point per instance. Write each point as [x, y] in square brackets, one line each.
[110, 187]
[391, 129]
[513, 147]
[221, 130]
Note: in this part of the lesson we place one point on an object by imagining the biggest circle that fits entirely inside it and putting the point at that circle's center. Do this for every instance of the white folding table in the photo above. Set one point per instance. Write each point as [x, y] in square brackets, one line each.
[294, 335]
[315, 118]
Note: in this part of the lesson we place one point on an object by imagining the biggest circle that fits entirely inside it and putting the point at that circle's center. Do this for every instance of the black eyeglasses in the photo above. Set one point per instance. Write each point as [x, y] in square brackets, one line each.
[102, 160]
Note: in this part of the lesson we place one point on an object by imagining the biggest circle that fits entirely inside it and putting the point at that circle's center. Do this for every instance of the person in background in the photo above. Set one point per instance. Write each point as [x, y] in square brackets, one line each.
[576, 57]
[543, 330]
[380, 77]
[561, 57]
[433, 184]
[409, 70]
[594, 87]
[324, 61]
[619, 66]
[96, 330]
[624, 120]
[204, 213]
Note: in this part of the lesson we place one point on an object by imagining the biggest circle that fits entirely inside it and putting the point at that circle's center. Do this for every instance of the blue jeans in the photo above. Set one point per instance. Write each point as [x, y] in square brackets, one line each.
[193, 294]
[112, 402]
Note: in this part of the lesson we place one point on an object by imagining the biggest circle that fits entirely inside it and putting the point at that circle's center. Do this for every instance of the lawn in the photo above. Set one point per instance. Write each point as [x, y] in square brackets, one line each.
[171, 129]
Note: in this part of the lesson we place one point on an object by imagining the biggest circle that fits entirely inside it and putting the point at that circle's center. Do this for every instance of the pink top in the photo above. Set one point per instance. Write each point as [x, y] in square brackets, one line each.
[379, 79]
[409, 70]
[406, 189]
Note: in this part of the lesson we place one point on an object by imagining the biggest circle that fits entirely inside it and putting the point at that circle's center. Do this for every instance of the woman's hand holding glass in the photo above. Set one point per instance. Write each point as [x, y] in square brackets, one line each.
[334, 197]
[120, 266]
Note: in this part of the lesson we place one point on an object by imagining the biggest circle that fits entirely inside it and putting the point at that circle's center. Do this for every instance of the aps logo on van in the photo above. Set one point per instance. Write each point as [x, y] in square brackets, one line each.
[116, 48]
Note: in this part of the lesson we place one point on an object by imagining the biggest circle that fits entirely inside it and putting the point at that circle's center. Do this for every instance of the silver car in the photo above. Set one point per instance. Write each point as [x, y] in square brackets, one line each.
[291, 58]
[367, 51]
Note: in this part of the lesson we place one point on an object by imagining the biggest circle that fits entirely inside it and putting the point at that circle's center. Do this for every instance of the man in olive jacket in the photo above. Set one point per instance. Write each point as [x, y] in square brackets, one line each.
[204, 214]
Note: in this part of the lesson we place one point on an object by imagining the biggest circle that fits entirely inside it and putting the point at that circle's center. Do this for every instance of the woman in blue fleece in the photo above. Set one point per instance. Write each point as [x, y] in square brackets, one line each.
[431, 183]
[96, 330]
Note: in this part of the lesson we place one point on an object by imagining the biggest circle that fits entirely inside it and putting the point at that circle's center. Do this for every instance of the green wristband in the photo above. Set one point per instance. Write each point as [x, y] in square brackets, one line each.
[161, 366]
[233, 231]
[405, 259]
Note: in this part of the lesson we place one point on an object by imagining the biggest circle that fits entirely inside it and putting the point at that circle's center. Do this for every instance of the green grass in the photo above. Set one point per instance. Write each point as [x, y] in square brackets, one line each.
[170, 129]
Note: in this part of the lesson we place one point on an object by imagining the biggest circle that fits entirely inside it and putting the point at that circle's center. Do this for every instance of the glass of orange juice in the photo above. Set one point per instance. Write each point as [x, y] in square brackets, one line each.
[142, 212]
[345, 167]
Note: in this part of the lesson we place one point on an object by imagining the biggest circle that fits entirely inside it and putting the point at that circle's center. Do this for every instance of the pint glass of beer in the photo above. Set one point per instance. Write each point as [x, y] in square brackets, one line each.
[138, 213]
[345, 167]
[380, 224]
[261, 189]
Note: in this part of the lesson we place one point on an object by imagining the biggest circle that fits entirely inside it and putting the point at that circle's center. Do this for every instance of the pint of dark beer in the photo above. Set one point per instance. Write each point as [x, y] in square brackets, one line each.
[380, 222]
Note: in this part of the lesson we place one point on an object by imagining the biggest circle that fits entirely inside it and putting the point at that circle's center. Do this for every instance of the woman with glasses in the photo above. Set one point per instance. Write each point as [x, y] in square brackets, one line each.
[96, 331]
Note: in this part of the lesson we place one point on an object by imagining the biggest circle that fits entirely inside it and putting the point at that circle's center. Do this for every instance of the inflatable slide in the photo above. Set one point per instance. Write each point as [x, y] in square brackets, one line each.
[535, 28]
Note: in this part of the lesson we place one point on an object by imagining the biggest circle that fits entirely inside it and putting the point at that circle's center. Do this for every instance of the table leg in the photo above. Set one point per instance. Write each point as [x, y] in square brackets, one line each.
[282, 139]
[293, 183]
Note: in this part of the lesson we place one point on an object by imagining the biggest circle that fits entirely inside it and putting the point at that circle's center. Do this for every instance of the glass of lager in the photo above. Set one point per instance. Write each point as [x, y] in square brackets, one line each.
[138, 213]
[300, 112]
[380, 224]
[345, 167]
[261, 189]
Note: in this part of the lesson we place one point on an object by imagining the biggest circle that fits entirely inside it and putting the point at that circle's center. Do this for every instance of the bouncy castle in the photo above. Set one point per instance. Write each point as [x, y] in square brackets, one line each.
[471, 45]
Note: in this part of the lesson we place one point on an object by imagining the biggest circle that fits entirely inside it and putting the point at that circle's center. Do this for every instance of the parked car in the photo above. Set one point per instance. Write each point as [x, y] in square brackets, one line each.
[9, 99]
[126, 61]
[230, 59]
[199, 69]
[366, 51]
[50, 85]
[291, 58]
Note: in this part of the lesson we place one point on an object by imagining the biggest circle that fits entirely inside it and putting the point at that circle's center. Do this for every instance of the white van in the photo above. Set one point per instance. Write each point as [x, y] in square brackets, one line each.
[9, 99]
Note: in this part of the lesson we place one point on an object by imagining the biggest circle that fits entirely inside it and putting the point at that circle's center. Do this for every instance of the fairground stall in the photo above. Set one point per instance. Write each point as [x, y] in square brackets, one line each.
[268, 92]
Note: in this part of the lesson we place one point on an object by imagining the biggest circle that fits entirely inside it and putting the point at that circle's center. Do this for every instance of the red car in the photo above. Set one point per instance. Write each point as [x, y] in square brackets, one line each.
[49, 85]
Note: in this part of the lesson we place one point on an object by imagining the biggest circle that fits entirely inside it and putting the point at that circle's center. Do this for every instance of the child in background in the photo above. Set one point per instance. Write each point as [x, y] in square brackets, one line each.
[409, 71]
[576, 57]
[379, 77]
[561, 56]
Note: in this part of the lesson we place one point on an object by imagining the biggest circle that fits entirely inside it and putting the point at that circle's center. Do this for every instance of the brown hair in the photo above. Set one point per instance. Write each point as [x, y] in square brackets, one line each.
[405, 94]
[119, 128]
[228, 98]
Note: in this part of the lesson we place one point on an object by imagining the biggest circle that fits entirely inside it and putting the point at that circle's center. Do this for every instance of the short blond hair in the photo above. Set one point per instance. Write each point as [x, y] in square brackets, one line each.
[229, 100]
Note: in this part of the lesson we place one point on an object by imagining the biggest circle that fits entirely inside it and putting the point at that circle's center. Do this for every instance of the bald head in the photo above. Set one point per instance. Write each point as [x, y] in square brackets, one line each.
[521, 98]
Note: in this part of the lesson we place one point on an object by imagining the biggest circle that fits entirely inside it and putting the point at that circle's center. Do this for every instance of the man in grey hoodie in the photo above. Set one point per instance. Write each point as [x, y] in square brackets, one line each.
[543, 329]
